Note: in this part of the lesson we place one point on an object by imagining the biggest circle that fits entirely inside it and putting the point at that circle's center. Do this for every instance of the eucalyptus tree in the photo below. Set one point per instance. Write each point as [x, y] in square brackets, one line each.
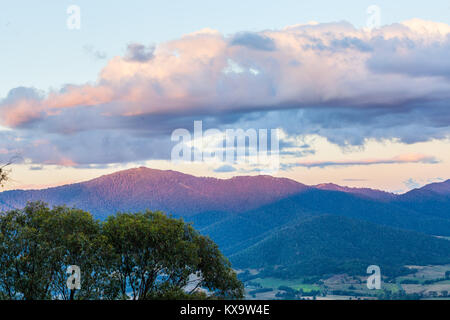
[158, 257]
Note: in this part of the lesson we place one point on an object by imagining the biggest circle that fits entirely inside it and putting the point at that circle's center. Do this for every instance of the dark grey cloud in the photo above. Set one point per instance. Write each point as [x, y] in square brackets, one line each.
[351, 43]
[404, 56]
[21, 93]
[336, 45]
[395, 160]
[36, 168]
[225, 168]
[139, 52]
[86, 136]
[254, 41]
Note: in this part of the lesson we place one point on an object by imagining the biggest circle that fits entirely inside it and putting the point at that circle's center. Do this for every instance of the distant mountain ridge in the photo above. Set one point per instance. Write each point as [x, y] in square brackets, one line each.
[332, 244]
[432, 199]
[235, 231]
[252, 218]
[364, 192]
[170, 191]
[436, 189]
[184, 195]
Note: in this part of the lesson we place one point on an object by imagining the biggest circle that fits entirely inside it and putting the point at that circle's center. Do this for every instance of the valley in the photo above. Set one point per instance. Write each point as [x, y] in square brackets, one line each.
[310, 241]
[426, 282]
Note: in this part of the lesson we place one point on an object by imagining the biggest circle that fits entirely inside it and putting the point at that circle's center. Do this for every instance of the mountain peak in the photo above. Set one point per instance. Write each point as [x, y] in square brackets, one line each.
[438, 187]
[363, 192]
[171, 191]
[432, 190]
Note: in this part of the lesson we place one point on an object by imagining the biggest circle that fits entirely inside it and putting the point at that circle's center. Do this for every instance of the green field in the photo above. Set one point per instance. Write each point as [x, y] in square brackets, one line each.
[393, 287]
[348, 287]
[294, 284]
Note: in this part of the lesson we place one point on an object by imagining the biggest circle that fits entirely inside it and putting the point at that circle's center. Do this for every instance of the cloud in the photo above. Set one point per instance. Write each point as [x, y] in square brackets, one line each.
[36, 168]
[138, 52]
[22, 105]
[225, 168]
[406, 158]
[333, 80]
[97, 54]
[253, 41]
[412, 184]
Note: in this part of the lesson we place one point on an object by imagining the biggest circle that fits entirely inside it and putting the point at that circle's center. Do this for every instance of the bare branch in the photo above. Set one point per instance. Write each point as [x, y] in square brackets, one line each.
[4, 171]
[3, 175]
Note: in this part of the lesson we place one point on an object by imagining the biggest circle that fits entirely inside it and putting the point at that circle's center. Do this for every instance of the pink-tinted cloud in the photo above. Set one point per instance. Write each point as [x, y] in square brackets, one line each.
[333, 80]
[404, 158]
[305, 65]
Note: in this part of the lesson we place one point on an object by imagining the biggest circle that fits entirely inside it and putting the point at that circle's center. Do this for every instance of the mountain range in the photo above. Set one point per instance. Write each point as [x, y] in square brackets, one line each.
[263, 222]
[331, 244]
[170, 191]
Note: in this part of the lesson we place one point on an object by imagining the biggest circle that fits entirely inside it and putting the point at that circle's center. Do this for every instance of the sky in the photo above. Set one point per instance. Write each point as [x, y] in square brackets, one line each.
[359, 89]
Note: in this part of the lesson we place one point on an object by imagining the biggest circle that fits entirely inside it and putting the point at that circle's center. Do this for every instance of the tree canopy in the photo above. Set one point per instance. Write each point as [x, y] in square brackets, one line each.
[3, 175]
[145, 255]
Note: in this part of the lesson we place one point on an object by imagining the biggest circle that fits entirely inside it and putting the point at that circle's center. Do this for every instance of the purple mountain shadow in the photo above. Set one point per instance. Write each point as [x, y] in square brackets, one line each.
[431, 191]
[184, 195]
[169, 191]
[438, 187]
[362, 192]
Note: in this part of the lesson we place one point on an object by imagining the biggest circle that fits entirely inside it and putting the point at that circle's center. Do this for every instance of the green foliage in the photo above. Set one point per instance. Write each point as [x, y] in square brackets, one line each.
[262, 290]
[330, 244]
[142, 256]
[37, 244]
[158, 256]
[409, 281]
